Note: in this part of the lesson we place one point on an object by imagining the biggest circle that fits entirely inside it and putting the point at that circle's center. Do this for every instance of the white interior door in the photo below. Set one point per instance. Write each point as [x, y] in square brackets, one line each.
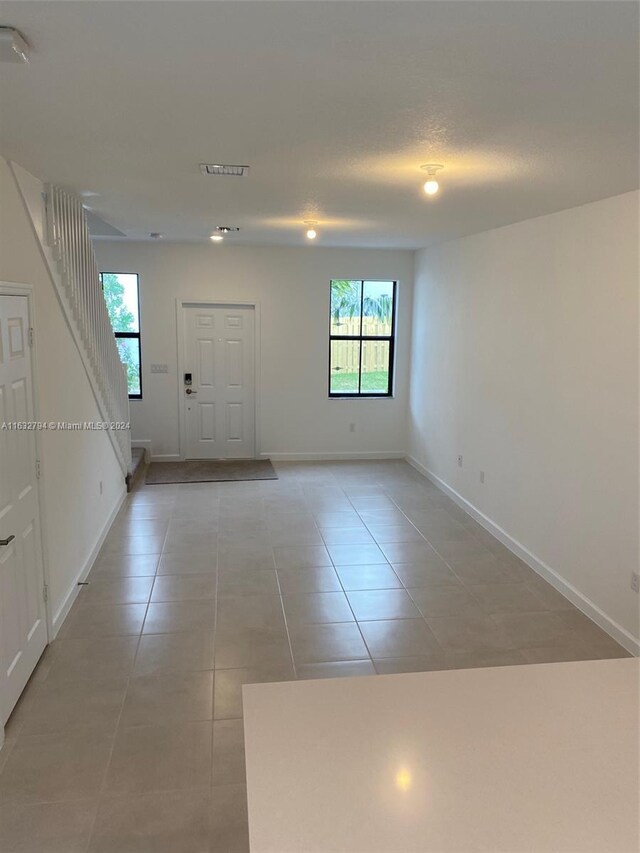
[23, 630]
[219, 404]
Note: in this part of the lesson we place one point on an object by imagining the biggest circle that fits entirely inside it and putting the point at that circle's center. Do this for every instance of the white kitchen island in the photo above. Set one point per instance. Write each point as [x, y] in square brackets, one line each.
[520, 758]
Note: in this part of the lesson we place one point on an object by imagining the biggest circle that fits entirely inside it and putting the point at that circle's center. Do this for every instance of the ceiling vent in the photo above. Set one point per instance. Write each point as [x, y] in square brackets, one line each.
[216, 169]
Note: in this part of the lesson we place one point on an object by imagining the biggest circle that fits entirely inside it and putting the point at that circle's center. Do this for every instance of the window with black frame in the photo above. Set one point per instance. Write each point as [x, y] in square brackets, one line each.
[362, 338]
[121, 294]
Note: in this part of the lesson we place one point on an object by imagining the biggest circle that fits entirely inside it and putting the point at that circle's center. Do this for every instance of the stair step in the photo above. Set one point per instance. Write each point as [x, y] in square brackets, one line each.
[138, 465]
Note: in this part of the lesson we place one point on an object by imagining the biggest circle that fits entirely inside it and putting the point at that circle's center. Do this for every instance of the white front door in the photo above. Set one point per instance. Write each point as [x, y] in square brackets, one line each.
[218, 361]
[23, 630]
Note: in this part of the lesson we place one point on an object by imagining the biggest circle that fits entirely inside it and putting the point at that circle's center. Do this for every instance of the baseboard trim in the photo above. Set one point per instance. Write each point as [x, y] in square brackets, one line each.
[72, 592]
[588, 607]
[336, 457]
[276, 456]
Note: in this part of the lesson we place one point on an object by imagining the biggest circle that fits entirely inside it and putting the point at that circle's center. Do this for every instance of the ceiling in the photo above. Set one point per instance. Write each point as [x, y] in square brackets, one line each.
[532, 107]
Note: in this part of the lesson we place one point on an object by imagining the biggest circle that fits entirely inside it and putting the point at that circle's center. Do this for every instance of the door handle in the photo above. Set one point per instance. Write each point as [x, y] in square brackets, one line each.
[190, 391]
[6, 541]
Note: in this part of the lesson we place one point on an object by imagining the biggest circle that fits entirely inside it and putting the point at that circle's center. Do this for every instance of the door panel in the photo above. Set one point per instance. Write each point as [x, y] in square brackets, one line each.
[16, 337]
[23, 451]
[235, 426]
[206, 371]
[219, 353]
[5, 458]
[32, 578]
[233, 363]
[207, 413]
[9, 592]
[23, 631]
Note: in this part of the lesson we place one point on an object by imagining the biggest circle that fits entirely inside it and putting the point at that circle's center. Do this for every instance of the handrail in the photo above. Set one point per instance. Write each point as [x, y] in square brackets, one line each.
[67, 233]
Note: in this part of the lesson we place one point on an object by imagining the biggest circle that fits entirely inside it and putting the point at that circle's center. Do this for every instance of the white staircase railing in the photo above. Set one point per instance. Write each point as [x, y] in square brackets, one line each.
[67, 233]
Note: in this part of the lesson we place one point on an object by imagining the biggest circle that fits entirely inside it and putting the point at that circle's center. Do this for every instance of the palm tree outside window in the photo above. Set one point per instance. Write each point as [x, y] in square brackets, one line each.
[362, 338]
[121, 294]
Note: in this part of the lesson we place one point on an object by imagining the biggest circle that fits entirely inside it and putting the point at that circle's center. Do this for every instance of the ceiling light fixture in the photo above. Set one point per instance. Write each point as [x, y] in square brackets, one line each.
[431, 185]
[221, 232]
[311, 232]
[13, 48]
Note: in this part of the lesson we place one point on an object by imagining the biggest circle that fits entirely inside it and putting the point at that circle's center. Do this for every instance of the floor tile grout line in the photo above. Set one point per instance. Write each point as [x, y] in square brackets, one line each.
[286, 627]
[419, 611]
[451, 568]
[103, 784]
[215, 649]
[146, 612]
[344, 592]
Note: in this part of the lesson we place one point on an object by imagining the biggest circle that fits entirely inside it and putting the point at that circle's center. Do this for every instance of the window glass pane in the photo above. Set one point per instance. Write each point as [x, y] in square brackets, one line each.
[375, 367]
[129, 349]
[121, 295]
[345, 367]
[345, 307]
[378, 308]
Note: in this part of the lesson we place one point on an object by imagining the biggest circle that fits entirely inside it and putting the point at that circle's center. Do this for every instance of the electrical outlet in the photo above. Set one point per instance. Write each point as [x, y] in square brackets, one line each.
[635, 581]
[352, 427]
[482, 476]
[460, 461]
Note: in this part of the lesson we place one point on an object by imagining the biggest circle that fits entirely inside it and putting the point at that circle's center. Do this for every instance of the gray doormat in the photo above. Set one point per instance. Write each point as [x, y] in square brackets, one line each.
[205, 471]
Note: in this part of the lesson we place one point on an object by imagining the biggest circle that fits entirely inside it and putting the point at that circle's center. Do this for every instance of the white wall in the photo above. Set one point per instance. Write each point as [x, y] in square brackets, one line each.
[525, 361]
[292, 287]
[73, 463]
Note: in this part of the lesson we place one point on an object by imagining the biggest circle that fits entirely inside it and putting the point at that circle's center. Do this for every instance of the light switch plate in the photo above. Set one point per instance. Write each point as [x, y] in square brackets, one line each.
[159, 368]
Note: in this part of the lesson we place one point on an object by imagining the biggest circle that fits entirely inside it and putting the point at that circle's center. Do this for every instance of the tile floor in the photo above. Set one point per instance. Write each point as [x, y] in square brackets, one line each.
[129, 738]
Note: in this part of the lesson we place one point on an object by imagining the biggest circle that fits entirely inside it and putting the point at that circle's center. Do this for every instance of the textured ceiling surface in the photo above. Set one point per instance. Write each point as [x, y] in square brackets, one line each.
[532, 107]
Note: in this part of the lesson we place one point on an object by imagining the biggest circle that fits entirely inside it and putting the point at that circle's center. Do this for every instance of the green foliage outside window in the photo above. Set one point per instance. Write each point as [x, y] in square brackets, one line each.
[121, 297]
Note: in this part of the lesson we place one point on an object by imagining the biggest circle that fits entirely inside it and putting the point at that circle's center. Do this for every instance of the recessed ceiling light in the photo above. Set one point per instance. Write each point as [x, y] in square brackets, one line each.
[431, 185]
[311, 233]
[216, 237]
[13, 48]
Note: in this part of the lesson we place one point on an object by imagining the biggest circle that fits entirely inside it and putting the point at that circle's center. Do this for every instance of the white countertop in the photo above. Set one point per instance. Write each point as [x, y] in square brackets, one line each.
[520, 758]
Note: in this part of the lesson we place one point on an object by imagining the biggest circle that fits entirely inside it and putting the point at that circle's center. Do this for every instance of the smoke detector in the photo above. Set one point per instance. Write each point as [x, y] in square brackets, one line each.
[218, 169]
